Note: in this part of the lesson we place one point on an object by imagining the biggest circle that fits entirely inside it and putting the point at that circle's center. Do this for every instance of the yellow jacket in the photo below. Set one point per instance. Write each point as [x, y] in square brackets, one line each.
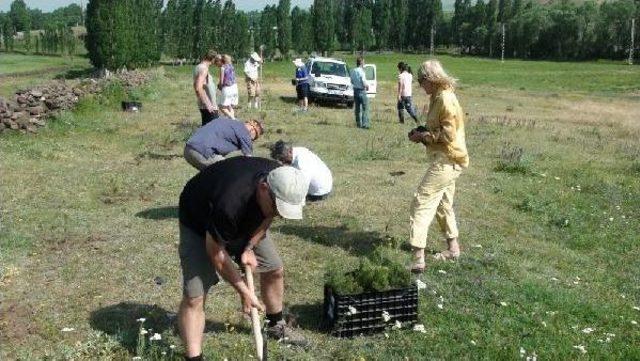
[445, 121]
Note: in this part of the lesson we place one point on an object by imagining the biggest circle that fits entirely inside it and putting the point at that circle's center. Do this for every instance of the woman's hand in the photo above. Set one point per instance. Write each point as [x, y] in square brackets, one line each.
[418, 137]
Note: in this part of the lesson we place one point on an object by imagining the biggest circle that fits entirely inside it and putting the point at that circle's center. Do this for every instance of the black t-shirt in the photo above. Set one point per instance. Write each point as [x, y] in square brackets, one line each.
[221, 199]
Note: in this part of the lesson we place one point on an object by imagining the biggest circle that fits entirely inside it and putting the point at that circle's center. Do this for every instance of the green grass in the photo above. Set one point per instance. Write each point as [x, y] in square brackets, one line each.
[88, 221]
[20, 71]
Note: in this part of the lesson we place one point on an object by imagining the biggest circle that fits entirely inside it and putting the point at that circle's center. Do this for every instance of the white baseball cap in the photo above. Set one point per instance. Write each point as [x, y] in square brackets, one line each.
[298, 62]
[290, 186]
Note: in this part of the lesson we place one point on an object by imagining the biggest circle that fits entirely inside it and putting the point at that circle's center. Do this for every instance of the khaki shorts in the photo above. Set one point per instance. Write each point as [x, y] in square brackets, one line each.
[198, 160]
[253, 88]
[199, 274]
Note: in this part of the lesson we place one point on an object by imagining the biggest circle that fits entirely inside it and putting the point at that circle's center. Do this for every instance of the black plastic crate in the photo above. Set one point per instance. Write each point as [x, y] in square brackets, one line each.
[401, 304]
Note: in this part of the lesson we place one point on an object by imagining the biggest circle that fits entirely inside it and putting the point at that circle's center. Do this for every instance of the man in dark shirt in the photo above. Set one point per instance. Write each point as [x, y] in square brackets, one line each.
[225, 212]
[213, 141]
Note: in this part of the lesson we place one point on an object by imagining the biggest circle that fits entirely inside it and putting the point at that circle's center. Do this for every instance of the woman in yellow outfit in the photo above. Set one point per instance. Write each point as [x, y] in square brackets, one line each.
[445, 143]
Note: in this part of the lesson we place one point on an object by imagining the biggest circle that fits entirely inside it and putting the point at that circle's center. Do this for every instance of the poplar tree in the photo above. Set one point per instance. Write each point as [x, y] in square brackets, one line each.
[382, 23]
[284, 26]
[301, 27]
[324, 25]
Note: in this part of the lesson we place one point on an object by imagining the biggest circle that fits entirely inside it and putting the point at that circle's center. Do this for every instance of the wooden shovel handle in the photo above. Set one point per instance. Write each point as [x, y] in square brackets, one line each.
[255, 318]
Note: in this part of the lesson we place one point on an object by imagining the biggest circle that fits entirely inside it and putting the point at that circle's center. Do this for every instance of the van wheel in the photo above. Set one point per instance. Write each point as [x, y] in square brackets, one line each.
[349, 104]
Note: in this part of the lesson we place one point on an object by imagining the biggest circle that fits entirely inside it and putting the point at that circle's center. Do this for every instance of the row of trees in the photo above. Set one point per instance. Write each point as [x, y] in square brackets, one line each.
[42, 33]
[559, 29]
[134, 33]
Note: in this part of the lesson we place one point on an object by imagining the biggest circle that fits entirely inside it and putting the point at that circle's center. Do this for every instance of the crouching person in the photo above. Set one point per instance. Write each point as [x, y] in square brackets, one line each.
[225, 212]
[319, 175]
[212, 142]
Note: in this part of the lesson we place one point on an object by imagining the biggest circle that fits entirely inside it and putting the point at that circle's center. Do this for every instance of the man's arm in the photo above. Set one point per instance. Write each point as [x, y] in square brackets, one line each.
[224, 265]
[198, 86]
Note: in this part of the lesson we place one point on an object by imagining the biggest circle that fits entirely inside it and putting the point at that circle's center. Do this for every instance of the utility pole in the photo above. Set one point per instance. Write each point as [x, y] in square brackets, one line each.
[433, 33]
[632, 45]
[503, 37]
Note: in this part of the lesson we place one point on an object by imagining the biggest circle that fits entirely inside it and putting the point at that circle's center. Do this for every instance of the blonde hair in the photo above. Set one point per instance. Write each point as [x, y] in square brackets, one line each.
[226, 59]
[432, 71]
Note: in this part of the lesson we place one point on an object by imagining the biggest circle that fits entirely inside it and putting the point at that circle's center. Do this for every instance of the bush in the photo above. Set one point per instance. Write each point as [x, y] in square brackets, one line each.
[376, 273]
[513, 160]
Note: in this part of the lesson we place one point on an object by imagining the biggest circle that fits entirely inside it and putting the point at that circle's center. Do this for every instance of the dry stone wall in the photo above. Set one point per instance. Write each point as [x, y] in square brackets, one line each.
[30, 108]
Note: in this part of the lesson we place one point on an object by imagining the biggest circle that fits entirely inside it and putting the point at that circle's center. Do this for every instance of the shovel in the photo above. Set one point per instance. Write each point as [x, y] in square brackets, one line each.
[261, 345]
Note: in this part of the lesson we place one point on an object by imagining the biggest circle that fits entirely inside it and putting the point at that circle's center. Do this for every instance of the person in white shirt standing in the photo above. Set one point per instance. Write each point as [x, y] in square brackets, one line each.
[254, 88]
[405, 78]
[319, 175]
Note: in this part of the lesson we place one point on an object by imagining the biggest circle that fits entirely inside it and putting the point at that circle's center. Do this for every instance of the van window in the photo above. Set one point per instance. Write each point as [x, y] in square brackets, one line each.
[329, 68]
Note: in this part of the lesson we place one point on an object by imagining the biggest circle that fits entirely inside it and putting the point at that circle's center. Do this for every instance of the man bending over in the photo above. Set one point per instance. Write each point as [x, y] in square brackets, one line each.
[226, 211]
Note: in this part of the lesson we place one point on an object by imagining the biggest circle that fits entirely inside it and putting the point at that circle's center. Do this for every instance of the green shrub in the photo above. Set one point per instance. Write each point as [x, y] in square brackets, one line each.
[378, 272]
[513, 160]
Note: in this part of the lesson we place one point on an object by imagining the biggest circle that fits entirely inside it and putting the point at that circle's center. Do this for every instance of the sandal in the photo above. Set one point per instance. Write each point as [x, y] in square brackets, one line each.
[446, 255]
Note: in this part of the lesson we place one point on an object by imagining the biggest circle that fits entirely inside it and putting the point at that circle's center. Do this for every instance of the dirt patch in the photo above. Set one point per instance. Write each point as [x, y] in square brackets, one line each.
[15, 322]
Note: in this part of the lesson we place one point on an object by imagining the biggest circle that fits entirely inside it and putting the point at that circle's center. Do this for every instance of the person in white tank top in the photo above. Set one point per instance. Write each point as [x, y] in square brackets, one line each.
[405, 79]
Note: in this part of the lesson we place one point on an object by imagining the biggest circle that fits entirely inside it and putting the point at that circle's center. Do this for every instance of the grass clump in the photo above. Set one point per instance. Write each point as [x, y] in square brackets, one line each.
[513, 160]
[373, 274]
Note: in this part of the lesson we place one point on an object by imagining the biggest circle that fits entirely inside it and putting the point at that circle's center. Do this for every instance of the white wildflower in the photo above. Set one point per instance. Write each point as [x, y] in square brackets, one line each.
[386, 316]
[610, 219]
[137, 358]
[473, 342]
[68, 329]
[522, 352]
[440, 306]
[441, 271]
[554, 279]
[352, 311]
[172, 346]
[551, 313]
[163, 353]
[556, 178]
[588, 330]
[580, 348]
[608, 334]
[397, 325]
[634, 322]
[141, 319]
[155, 337]
[544, 324]
[533, 357]
[503, 304]
[421, 285]
[477, 245]
[419, 328]
[386, 335]
[144, 332]
[636, 308]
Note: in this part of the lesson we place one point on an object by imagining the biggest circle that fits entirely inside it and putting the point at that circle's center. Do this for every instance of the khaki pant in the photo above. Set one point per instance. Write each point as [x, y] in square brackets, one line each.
[253, 88]
[198, 160]
[434, 197]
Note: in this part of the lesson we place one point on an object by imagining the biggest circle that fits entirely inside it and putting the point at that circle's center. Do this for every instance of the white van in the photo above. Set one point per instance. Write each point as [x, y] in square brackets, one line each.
[330, 81]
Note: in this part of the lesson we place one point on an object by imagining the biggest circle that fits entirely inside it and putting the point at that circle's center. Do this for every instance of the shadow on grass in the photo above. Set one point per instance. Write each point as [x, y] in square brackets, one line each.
[76, 73]
[357, 242]
[120, 321]
[308, 317]
[160, 213]
[289, 100]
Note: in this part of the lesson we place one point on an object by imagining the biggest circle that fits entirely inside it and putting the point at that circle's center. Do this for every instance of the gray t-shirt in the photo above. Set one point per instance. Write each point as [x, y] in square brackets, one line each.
[209, 87]
[221, 136]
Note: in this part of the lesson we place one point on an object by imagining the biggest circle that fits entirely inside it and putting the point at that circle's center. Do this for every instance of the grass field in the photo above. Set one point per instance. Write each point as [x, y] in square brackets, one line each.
[88, 237]
[17, 71]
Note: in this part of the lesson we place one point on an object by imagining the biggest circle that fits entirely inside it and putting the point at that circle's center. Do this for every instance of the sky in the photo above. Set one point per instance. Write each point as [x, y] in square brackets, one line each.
[50, 5]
